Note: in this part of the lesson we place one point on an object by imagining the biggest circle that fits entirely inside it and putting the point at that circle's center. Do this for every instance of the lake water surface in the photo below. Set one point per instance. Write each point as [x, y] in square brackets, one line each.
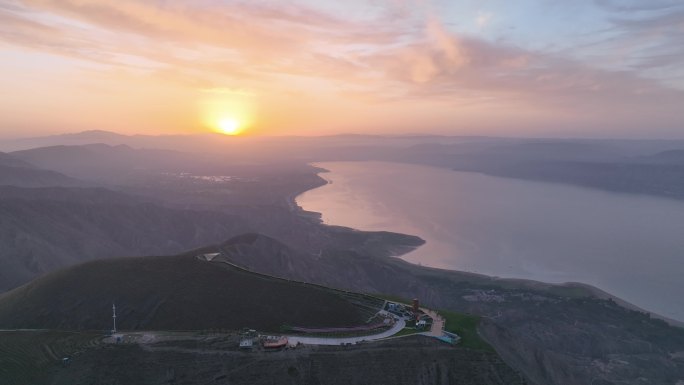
[629, 245]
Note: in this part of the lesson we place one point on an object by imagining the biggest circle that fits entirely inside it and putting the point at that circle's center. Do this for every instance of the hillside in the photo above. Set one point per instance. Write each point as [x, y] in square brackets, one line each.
[29, 357]
[7, 160]
[553, 334]
[406, 361]
[16, 172]
[30, 177]
[171, 293]
[48, 228]
[101, 162]
[673, 157]
[593, 164]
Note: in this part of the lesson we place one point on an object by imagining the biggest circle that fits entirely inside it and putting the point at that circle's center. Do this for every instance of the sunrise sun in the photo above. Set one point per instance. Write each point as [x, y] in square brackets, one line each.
[229, 126]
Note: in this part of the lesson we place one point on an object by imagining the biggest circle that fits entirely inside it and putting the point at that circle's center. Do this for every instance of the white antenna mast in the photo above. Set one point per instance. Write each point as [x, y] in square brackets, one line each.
[114, 317]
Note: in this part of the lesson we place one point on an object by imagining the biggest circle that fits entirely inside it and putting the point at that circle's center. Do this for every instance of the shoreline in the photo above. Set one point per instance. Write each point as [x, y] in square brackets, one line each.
[595, 291]
[602, 294]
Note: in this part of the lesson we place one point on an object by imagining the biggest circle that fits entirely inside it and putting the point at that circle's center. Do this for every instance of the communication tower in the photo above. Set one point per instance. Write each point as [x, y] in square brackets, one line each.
[114, 318]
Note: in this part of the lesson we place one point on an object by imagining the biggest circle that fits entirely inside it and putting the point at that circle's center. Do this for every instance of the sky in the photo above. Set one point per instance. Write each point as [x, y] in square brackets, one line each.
[551, 68]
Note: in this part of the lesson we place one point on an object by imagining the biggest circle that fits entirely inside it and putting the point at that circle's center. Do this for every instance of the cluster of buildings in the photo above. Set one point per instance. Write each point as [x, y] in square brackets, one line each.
[412, 314]
[250, 337]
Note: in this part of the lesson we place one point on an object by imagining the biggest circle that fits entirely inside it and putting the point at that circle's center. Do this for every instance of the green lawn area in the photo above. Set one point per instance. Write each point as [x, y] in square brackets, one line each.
[465, 325]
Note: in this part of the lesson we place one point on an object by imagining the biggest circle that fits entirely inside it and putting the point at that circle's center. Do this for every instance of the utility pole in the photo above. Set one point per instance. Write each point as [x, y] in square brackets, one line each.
[114, 317]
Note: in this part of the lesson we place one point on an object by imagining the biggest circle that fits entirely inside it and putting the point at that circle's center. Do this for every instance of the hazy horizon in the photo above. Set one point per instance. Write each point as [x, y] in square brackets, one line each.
[20, 136]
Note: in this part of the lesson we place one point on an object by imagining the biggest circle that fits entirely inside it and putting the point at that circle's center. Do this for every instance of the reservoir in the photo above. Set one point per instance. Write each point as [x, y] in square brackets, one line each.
[631, 246]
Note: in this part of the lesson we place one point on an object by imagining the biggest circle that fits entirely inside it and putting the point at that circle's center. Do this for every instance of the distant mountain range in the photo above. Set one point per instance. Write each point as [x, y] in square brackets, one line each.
[671, 157]
[101, 162]
[74, 139]
[211, 142]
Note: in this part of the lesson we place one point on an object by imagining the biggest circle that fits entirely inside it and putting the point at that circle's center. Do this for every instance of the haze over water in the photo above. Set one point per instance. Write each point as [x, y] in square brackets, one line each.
[629, 245]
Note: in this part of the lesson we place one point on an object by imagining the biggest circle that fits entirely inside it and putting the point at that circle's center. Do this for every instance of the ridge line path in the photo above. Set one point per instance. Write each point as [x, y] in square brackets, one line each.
[396, 328]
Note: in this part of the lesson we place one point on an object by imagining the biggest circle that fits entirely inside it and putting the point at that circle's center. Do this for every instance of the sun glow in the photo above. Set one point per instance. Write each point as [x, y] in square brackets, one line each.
[226, 111]
[229, 126]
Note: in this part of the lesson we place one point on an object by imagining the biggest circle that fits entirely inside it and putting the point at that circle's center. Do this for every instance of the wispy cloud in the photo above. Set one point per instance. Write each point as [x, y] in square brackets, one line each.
[645, 37]
[406, 52]
[629, 6]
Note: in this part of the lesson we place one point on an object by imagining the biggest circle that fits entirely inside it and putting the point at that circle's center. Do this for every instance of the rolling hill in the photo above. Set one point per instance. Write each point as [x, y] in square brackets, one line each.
[16, 172]
[173, 293]
[43, 229]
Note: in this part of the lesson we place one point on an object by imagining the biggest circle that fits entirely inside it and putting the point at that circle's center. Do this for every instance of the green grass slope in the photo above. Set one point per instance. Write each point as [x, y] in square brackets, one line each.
[25, 357]
[172, 293]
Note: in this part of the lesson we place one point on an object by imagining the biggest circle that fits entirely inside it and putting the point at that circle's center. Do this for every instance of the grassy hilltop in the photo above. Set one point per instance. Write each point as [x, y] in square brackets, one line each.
[174, 293]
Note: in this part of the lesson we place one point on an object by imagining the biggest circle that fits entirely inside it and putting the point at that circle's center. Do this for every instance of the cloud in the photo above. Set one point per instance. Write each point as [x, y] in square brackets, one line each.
[483, 19]
[630, 6]
[227, 91]
[646, 37]
[465, 71]
[405, 53]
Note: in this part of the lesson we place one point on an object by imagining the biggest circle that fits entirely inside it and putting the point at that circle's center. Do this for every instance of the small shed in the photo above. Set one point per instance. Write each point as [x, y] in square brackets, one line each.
[246, 343]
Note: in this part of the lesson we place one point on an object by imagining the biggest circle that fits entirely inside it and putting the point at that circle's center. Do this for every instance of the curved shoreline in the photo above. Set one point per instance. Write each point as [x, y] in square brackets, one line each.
[601, 294]
[595, 291]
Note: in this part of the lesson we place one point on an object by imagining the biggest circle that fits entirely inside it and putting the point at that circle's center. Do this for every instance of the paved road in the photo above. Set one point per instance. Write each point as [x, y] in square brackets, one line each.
[25, 330]
[293, 340]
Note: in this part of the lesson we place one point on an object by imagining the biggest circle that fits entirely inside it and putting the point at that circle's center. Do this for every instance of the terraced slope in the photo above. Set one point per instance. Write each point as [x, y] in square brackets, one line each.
[26, 356]
[215, 359]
